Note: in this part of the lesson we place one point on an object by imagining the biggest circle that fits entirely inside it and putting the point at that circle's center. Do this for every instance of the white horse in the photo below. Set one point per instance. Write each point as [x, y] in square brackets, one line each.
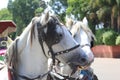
[44, 37]
[84, 36]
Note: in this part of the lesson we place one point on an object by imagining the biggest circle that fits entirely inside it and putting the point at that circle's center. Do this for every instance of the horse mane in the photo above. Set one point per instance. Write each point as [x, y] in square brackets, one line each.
[32, 33]
[34, 23]
[12, 51]
[12, 54]
[80, 25]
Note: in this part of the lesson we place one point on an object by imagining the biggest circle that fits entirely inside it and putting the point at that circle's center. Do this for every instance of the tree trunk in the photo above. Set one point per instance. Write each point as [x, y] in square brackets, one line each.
[112, 21]
[118, 21]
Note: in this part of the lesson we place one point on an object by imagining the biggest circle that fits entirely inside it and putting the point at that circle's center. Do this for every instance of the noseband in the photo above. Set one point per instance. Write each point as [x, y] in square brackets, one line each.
[85, 45]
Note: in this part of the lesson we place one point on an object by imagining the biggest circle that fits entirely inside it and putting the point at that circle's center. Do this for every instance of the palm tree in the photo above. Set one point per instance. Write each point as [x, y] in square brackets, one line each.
[118, 18]
[108, 11]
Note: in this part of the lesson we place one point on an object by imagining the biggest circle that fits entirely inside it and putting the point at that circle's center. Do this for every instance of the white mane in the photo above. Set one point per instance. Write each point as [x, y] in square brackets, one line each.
[80, 25]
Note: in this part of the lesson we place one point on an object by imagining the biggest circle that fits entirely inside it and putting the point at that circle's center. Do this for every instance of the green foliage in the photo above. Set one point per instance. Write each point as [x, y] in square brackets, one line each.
[109, 37]
[99, 36]
[69, 9]
[23, 11]
[96, 11]
[118, 40]
[5, 14]
[78, 7]
[118, 2]
[103, 12]
[38, 11]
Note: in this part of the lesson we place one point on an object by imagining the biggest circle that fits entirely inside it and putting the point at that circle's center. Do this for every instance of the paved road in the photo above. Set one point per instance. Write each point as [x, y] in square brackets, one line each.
[107, 68]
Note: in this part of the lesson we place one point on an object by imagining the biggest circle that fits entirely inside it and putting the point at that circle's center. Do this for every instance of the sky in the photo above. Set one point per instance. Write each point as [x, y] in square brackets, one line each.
[3, 4]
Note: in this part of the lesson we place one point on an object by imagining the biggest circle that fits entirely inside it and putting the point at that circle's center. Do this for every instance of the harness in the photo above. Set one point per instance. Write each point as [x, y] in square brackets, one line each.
[53, 54]
[57, 76]
[41, 38]
[85, 45]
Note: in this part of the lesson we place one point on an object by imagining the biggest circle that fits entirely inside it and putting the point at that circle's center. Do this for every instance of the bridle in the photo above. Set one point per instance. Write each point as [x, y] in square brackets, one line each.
[41, 38]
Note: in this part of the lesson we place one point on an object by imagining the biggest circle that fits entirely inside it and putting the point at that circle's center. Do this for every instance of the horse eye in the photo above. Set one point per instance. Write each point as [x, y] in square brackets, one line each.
[60, 35]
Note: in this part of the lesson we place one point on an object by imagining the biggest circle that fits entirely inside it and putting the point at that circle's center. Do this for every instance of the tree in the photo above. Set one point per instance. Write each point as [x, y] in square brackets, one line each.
[23, 11]
[79, 8]
[59, 8]
[118, 17]
[82, 8]
[38, 11]
[5, 14]
[106, 11]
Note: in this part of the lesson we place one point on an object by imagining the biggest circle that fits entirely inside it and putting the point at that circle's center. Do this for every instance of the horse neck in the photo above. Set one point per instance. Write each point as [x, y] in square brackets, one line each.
[20, 42]
[23, 37]
[32, 57]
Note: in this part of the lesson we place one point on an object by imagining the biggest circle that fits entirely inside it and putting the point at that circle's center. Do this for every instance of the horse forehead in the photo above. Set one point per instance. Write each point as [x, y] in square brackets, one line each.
[82, 37]
[83, 34]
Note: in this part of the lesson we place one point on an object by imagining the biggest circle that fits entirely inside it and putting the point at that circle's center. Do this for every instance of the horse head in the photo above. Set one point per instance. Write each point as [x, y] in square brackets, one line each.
[45, 37]
[83, 35]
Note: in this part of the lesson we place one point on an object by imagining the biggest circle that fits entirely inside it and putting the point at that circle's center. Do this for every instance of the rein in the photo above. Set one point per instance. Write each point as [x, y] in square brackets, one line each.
[27, 78]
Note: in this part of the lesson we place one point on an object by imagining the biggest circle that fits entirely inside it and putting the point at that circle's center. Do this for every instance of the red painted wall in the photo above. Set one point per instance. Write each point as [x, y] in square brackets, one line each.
[106, 51]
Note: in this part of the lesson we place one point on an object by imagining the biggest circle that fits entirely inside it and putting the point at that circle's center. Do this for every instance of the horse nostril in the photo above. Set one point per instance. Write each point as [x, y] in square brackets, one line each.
[83, 59]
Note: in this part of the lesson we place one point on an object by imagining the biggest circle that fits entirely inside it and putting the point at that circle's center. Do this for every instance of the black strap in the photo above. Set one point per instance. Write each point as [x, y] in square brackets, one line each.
[84, 45]
[41, 39]
[53, 77]
[67, 50]
[53, 55]
[14, 58]
[27, 78]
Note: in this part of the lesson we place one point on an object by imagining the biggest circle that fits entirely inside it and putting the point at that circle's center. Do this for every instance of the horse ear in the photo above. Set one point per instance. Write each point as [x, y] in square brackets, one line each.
[69, 23]
[45, 18]
[85, 21]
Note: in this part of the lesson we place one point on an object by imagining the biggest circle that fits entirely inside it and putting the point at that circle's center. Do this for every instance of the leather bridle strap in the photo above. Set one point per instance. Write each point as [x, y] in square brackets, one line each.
[84, 45]
[41, 39]
[27, 78]
[67, 50]
[61, 52]
[57, 76]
